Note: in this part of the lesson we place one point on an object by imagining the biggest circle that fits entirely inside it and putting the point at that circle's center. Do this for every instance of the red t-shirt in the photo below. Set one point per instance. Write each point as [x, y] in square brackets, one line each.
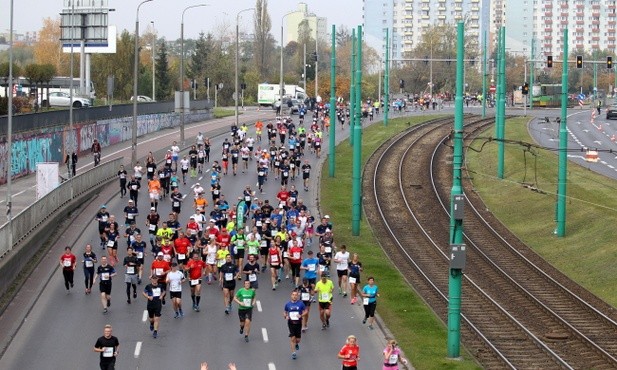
[68, 261]
[353, 351]
[283, 196]
[223, 239]
[160, 268]
[182, 245]
[295, 254]
[195, 268]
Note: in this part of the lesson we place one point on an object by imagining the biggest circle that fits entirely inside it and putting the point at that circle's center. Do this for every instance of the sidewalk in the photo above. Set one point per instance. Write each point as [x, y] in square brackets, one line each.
[24, 188]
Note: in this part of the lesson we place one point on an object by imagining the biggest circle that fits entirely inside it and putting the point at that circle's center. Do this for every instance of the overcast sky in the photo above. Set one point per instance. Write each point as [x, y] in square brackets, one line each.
[167, 14]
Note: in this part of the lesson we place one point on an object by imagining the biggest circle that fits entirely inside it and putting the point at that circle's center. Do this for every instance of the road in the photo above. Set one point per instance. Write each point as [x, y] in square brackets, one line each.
[58, 332]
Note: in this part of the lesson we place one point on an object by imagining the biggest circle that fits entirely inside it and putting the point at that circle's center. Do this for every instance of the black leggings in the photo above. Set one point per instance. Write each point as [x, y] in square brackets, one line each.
[68, 277]
[369, 310]
[89, 276]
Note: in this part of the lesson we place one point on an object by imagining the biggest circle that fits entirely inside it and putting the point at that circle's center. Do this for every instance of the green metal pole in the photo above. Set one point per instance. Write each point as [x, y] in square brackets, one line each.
[352, 93]
[532, 71]
[386, 84]
[456, 226]
[332, 142]
[595, 77]
[501, 118]
[497, 83]
[356, 188]
[563, 143]
[484, 62]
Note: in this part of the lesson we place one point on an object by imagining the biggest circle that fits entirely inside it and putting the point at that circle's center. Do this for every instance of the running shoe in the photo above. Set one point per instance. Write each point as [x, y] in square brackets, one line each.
[176, 315]
[155, 334]
[151, 326]
[226, 311]
[323, 326]
[181, 313]
[370, 327]
[297, 347]
[196, 309]
[128, 301]
[294, 356]
[353, 300]
[364, 321]
[242, 330]
[108, 302]
[328, 323]
[104, 311]
[134, 294]
[246, 338]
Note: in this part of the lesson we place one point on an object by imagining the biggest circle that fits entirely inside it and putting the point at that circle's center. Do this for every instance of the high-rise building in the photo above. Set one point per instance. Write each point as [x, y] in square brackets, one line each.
[318, 25]
[407, 19]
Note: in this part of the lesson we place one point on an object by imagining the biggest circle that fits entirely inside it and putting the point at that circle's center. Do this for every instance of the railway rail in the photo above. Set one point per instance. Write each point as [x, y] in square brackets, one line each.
[518, 312]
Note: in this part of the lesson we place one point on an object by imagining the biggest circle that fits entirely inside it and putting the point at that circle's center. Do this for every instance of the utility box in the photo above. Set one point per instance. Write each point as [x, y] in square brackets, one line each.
[458, 255]
[458, 206]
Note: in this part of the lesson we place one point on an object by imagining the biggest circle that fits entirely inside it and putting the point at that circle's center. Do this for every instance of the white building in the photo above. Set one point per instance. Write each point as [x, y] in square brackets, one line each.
[318, 25]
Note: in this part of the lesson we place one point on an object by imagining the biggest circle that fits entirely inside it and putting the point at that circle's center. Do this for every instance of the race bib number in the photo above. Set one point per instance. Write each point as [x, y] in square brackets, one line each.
[140, 254]
[325, 296]
[89, 263]
[181, 256]
[328, 249]
[322, 268]
[246, 302]
[110, 243]
[352, 280]
[285, 255]
[393, 359]
[158, 271]
[216, 192]
[194, 282]
[134, 187]
[285, 173]
[294, 316]
[247, 198]
[311, 267]
[66, 263]
[150, 169]
[252, 277]
[365, 301]
[108, 352]
[306, 296]
[105, 276]
[130, 216]
[156, 292]
[296, 255]
[176, 204]
[229, 276]
[104, 218]
[274, 258]
[130, 270]
[261, 173]
[210, 260]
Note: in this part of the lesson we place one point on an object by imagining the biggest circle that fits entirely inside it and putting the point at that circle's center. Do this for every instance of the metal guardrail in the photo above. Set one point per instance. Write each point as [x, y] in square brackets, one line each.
[28, 220]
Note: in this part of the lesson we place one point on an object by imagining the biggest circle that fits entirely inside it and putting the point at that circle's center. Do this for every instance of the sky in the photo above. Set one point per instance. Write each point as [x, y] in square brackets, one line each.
[167, 15]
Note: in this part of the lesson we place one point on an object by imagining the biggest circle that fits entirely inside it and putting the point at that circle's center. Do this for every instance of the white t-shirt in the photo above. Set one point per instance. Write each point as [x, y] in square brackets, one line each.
[343, 259]
[175, 150]
[175, 281]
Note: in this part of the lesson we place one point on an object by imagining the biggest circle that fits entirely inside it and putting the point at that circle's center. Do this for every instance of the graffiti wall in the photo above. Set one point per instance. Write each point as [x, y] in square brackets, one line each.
[50, 144]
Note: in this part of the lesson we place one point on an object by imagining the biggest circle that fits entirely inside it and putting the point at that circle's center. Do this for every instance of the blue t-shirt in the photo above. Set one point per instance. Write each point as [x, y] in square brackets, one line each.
[371, 291]
[294, 311]
[310, 273]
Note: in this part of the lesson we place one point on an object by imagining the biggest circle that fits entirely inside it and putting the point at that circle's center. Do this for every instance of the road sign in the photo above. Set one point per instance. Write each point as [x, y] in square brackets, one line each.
[492, 89]
[581, 96]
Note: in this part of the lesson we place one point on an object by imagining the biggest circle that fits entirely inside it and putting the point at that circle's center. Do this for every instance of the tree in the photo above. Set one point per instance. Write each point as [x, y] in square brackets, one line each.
[118, 65]
[342, 36]
[263, 40]
[48, 49]
[162, 73]
[199, 56]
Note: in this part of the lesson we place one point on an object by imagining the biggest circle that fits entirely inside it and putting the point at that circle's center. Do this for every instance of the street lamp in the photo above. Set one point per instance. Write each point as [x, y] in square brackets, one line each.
[9, 170]
[153, 60]
[237, 57]
[282, 46]
[182, 68]
[136, 61]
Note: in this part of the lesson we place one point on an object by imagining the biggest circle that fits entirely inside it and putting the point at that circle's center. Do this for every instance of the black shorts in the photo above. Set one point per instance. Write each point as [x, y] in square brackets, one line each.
[101, 230]
[275, 267]
[246, 314]
[239, 253]
[306, 176]
[295, 329]
[175, 295]
[231, 285]
[325, 305]
[154, 309]
[234, 160]
[340, 273]
[312, 281]
[295, 269]
[105, 288]
[200, 160]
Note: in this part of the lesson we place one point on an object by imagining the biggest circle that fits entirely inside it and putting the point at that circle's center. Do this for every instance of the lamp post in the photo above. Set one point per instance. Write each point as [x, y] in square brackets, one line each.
[237, 58]
[153, 59]
[9, 172]
[282, 46]
[136, 62]
[182, 68]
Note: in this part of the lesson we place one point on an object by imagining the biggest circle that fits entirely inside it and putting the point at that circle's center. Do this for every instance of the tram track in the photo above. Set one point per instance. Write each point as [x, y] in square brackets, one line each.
[517, 311]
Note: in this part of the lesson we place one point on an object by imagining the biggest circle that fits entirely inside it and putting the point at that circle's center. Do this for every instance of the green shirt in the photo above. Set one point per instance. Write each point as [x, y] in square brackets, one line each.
[324, 290]
[239, 240]
[245, 296]
[253, 246]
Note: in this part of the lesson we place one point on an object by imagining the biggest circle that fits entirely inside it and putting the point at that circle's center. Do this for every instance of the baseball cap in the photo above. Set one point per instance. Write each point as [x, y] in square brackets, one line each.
[130, 200]
[103, 206]
[159, 254]
[152, 209]
[326, 216]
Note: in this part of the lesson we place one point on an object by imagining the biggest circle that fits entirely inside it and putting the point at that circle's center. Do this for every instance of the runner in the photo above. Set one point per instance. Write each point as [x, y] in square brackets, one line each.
[105, 272]
[275, 257]
[131, 265]
[68, 262]
[139, 246]
[122, 174]
[184, 168]
[293, 312]
[305, 296]
[295, 261]
[88, 262]
[181, 248]
[174, 281]
[324, 289]
[112, 241]
[195, 268]
[342, 263]
[238, 241]
[306, 174]
[108, 347]
[160, 268]
[155, 294]
[392, 356]
[228, 272]
[102, 217]
[370, 292]
[350, 354]
[355, 267]
[176, 200]
[154, 189]
[152, 222]
[250, 270]
[310, 267]
[175, 150]
[245, 298]
[138, 172]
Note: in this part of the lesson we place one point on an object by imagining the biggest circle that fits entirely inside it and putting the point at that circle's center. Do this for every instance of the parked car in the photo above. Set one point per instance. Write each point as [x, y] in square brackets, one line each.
[143, 99]
[63, 99]
[611, 112]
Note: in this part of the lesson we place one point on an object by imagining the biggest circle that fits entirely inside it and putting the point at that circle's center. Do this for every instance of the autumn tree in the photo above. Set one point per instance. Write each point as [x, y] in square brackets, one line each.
[164, 90]
[48, 48]
[264, 43]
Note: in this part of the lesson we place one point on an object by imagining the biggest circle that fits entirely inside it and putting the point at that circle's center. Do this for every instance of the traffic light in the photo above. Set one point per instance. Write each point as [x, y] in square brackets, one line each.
[525, 88]
[401, 83]
[549, 61]
[315, 56]
[242, 86]
[579, 61]
[609, 62]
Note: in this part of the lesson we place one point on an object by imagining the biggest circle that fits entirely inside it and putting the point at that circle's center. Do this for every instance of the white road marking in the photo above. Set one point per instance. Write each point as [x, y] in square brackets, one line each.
[597, 142]
[271, 366]
[144, 317]
[137, 350]
[264, 334]
[200, 177]
[258, 306]
[184, 196]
